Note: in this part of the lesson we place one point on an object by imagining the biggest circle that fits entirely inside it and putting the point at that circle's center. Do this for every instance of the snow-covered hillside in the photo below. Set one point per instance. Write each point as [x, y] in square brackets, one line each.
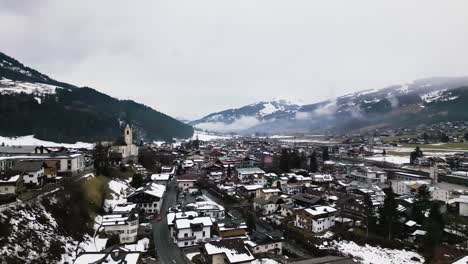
[31, 141]
[8, 86]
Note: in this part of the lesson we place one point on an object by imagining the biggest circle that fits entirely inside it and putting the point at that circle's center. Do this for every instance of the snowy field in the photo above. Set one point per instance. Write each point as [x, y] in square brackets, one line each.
[391, 159]
[31, 141]
[207, 136]
[374, 255]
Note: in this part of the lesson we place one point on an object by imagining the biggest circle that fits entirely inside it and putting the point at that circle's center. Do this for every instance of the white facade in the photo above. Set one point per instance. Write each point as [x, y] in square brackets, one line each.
[125, 226]
[10, 185]
[316, 219]
[185, 185]
[34, 177]
[191, 231]
[407, 187]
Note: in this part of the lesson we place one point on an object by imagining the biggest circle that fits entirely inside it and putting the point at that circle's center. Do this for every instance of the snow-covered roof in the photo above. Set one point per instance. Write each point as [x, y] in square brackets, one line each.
[117, 256]
[319, 210]
[180, 215]
[233, 249]
[11, 179]
[253, 170]
[152, 189]
[186, 222]
[252, 187]
[160, 177]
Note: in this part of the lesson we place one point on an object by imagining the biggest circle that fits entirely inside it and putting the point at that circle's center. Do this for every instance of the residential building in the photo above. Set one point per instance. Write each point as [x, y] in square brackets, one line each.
[191, 230]
[369, 174]
[227, 251]
[11, 184]
[148, 197]
[185, 182]
[122, 221]
[316, 219]
[266, 243]
[32, 171]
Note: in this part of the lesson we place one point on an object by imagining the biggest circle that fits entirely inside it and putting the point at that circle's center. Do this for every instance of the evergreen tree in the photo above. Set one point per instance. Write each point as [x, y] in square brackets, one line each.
[284, 161]
[425, 137]
[421, 204]
[101, 159]
[251, 223]
[389, 214]
[417, 153]
[313, 162]
[325, 154]
[229, 172]
[370, 215]
[435, 230]
[137, 181]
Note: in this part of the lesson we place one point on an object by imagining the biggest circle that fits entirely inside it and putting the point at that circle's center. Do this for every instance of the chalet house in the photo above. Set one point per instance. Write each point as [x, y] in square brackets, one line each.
[148, 197]
[352, 207]
[292, 188]
[215, 176]
[316, 219]
[266, 193]
[171, 170]
[11, 184]
[192, 230]
[122, 221]
[185, 182]
[65, 164]
[172, 216]
[161, 179]
[207, 208]
[250, 190]
[32, 171]
[247, 175]
[266, 243]
[230, 228]
[267, 206]
[307, 200]
[227, 251]
[289, 209]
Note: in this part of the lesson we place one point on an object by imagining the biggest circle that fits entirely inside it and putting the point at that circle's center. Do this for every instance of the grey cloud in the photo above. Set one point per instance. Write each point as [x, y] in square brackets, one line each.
[190, 58]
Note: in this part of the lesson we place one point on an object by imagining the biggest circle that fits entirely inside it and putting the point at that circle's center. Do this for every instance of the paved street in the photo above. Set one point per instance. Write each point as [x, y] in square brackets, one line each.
[167, 251]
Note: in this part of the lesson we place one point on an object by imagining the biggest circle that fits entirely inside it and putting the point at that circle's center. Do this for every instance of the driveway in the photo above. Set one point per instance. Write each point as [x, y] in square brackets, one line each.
[167, 251]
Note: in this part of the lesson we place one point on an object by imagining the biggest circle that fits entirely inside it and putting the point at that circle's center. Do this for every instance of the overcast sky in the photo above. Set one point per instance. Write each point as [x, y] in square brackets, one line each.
[191, 58]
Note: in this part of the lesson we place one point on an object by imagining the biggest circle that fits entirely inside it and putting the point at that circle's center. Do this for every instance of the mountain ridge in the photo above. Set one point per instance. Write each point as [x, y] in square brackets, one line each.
[384, 107]
[33, 103]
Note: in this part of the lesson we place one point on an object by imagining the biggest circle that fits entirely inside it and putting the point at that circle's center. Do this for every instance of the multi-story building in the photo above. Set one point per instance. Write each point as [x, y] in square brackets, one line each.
[122, 221]
[316, 219]
[191, 231]
[148, 197]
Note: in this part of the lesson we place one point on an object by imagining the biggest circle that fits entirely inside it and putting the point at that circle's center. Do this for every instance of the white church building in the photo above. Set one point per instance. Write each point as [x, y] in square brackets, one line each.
[127, 149]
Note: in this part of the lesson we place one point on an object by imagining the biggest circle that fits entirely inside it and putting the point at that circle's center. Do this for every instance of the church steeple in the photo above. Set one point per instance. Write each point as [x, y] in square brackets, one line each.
[128, 135]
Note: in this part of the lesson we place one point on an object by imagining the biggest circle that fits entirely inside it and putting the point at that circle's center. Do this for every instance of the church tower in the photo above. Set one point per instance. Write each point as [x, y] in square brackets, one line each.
[128, 135]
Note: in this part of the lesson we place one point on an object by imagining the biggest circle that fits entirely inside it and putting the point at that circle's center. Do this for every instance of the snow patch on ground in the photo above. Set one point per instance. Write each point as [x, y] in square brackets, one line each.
[391, 159]
[373, 255]
[8, 86]
[31, 141]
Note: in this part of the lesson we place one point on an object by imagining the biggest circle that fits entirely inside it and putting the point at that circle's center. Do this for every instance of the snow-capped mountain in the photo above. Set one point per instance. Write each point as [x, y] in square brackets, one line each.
[249, 115]
[424, 100]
